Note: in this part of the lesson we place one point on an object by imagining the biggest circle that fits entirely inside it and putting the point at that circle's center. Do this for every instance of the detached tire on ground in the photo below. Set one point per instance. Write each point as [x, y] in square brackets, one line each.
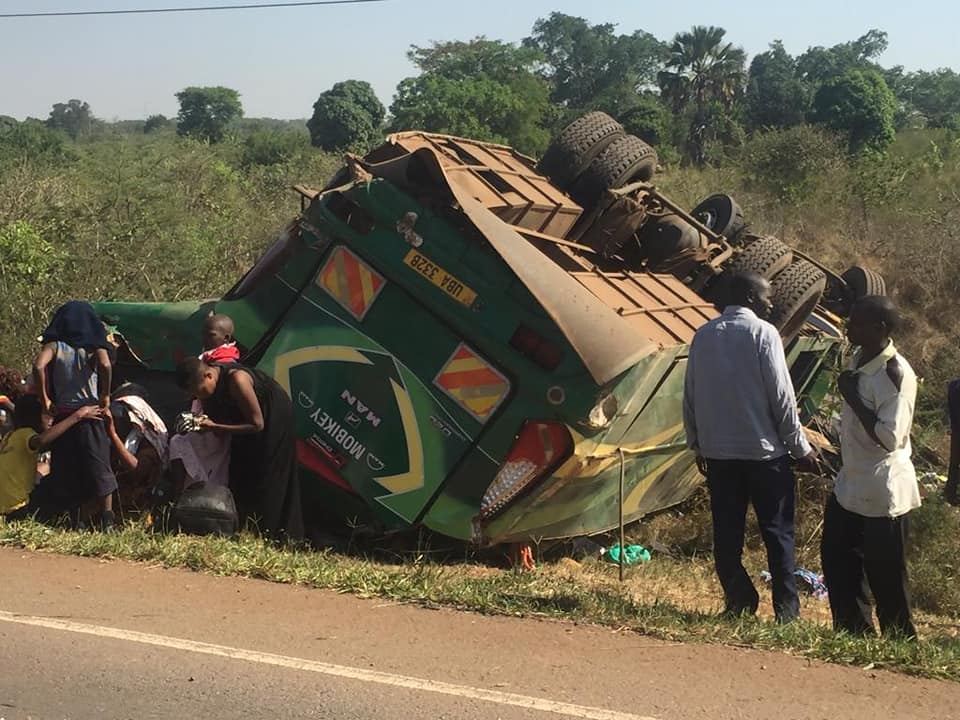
[796, 292]
[721, 214]
[862, 282]
[576, 146]
[627, 159]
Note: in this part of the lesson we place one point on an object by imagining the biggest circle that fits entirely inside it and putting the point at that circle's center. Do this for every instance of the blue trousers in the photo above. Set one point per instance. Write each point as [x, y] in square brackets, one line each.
[769, 485]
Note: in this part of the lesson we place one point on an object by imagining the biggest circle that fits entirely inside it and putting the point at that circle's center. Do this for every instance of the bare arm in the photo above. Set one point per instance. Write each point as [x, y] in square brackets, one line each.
[46, 356]
[240, 386]
[104, 376]
[50, 435]
[128, 459]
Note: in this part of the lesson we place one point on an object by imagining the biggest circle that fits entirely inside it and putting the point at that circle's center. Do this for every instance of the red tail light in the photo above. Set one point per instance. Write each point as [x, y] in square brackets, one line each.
[529, 343]
[539, 448]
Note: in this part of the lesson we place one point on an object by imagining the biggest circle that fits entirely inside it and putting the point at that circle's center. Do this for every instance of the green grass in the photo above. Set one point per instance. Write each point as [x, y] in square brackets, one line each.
[563, 590]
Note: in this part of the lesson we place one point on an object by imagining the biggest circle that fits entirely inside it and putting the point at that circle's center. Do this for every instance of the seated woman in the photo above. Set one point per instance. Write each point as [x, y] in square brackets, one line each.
[138, 438]
[251, 408]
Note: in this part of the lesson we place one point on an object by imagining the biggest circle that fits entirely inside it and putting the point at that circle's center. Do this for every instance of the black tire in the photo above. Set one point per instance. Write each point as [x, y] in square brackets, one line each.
[627, 159]
[862, 282]
[575, 147]
[765, 256]
[721, 214]
[796, 292]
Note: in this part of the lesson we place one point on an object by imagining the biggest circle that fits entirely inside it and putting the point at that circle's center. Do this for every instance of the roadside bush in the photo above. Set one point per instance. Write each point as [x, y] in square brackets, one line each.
[263, 147]
[934, 563]
[789, 163]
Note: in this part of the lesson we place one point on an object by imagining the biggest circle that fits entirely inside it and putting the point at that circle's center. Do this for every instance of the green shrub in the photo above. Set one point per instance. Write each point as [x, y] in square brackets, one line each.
[788, 163]
[934, 562]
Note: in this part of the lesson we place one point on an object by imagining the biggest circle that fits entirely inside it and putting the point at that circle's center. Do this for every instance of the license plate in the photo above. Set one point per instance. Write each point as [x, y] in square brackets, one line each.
[440, 277]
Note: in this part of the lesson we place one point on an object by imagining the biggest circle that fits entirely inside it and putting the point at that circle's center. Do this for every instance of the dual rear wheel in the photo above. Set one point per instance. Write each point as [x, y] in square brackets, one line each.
[593, 154]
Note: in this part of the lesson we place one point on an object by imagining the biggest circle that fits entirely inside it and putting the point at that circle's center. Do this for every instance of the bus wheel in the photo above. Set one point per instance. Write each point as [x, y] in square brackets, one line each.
[796, 292]
[576, 146]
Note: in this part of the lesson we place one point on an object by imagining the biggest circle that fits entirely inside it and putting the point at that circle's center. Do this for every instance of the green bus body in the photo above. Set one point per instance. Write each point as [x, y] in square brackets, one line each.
[430, 384]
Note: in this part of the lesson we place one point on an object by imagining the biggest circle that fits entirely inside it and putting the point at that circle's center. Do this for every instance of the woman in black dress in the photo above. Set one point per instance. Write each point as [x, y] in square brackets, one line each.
[252, 408]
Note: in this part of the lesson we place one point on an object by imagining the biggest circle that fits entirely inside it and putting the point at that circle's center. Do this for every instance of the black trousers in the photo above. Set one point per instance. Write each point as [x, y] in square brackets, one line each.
[864, 555]
[80, 470]
[768, 485]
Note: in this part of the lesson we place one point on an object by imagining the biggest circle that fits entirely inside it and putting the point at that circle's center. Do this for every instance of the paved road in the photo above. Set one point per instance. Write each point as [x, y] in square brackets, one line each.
[84, 638]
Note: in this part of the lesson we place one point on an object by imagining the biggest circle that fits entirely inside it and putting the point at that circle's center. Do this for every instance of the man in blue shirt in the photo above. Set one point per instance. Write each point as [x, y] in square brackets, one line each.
[740, 415]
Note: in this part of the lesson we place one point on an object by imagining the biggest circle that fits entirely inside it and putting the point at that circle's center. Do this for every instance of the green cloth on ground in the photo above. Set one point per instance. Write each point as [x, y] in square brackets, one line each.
[632, 555]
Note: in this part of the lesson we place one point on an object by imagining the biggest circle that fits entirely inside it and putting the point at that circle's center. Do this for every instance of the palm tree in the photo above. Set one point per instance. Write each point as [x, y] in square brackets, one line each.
[701, 70]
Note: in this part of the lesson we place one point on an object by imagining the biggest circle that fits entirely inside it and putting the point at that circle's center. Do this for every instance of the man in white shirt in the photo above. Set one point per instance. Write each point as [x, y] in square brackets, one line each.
[740, 415]
[866, 519]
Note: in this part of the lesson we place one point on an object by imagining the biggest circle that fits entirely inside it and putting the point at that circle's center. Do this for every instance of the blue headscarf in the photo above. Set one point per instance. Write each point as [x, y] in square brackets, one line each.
[76, 324]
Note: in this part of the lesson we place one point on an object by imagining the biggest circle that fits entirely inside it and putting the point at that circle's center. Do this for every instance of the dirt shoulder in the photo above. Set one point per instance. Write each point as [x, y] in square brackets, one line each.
[578, 664]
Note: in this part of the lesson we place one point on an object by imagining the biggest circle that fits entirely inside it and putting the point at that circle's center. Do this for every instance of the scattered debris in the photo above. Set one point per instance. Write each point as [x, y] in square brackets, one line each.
[632, 554]
[814, 582]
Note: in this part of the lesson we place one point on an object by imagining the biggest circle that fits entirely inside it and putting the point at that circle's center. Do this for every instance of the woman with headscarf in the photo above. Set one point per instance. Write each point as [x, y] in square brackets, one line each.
[73, 369]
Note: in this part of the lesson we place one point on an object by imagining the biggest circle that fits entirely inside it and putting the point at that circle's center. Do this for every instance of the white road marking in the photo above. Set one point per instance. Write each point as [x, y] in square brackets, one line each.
[341, 671]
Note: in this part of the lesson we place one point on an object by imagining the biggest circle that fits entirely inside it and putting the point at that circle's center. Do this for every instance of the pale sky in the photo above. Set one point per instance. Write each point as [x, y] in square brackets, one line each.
[280, 60]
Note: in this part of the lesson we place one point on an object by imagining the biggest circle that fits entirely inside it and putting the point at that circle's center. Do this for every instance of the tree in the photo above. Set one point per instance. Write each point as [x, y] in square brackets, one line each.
[819, 64]
[33, 141]
[348, 116]
[590, 67]
[934, 95]
[206, 112]
[649, 120]
[702, 71]
[861, 106]
[775, 96]
[485, 89]
[156, 123]
[72, 117]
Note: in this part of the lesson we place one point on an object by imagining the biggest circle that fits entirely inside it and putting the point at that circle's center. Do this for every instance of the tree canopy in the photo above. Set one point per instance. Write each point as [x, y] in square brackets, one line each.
[486, 89]
[819, 64]
[348, 116]
[206, 112]
[591, 66]
[775, 96]
[860, 105]
[72, 117]
[705, 75]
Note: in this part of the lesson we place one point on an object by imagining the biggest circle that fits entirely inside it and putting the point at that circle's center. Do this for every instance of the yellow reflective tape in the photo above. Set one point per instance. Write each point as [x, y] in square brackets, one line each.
[301, 356]
[414, 477]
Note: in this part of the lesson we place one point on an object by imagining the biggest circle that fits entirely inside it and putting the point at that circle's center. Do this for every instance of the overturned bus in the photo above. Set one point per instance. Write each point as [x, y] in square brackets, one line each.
[488, 347]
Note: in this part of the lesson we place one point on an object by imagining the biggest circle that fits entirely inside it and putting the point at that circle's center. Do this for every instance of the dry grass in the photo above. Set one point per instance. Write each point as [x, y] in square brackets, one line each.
[671, 598]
